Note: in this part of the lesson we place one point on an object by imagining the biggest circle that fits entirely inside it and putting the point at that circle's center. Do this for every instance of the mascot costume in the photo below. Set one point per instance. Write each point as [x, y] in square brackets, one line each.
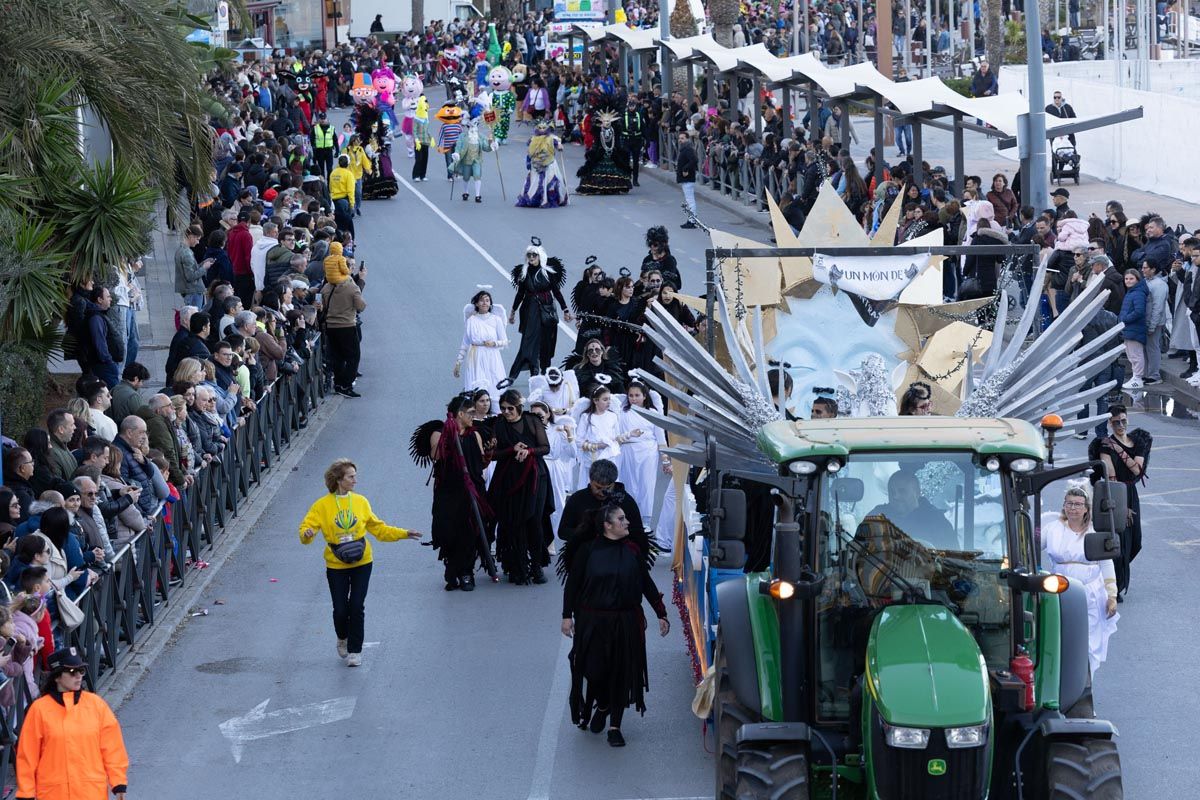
[384, 81]
[544, 186]
[499, 84]
[450, 115]
[468, 152]
[411, 90]
[376, 138]
[422, 141]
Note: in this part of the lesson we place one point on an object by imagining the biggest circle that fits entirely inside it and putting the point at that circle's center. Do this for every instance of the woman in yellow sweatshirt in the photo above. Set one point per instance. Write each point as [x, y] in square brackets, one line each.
[344, 519]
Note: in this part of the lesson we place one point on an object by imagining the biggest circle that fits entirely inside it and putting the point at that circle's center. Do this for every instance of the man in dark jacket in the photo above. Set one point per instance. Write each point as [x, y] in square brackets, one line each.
[134, 465]
[1159, 248]
[159, 415]
[190, 346]
[686, 164]
[602, 487]
[1102, 265]
[103, 342]
[984, 83]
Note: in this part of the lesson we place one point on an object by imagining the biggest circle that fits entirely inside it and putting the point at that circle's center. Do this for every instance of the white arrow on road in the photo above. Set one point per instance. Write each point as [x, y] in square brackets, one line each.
[260, 723]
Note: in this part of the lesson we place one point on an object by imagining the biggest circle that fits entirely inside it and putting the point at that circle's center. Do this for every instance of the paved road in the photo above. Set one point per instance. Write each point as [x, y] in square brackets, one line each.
[465, 695]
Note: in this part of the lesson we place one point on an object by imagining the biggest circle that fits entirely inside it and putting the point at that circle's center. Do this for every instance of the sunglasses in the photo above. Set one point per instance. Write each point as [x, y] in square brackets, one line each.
[508, 408]
[593, 350]
[74, 671]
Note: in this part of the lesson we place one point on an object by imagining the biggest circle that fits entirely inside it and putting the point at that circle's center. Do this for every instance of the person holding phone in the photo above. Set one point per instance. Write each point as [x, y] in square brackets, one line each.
[343, 519]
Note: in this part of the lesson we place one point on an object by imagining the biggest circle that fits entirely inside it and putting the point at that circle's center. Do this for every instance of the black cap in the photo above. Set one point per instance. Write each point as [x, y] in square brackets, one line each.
[320, 115]
[243, 215]
[64, 658]
[1060, 192]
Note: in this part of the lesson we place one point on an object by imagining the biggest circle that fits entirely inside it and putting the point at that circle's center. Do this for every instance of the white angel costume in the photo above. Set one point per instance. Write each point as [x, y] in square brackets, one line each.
[561, 463]
[641, 463]
[597, 429]
[1063, 553]
[560, 398]
[482, 366]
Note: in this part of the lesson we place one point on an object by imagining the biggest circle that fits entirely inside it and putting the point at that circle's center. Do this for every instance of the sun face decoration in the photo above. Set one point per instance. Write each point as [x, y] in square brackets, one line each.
[838, 322]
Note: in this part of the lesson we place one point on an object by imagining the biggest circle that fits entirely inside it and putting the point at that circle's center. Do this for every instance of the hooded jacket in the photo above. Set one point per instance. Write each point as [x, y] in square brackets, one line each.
[337, 269]
[1072, 233]
[1133, 312]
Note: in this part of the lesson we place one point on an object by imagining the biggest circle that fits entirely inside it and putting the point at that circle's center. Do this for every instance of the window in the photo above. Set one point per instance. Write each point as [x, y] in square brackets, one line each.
[902, 527]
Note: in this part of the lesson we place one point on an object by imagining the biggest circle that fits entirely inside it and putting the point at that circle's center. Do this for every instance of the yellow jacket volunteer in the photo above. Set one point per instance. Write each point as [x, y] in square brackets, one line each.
[344, 519]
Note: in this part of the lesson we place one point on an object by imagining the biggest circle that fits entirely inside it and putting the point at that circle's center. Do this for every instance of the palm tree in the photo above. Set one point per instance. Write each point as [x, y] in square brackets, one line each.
[61, 218]
[418, 15]
[724, 14]
[993, 32]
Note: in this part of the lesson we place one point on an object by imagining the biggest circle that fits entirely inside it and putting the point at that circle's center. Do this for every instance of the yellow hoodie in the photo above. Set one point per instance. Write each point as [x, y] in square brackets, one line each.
[335, 517]
[336, 267]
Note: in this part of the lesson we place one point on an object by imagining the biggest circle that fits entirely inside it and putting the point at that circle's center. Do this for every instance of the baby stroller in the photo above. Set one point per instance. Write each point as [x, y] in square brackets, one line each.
[1064, 161]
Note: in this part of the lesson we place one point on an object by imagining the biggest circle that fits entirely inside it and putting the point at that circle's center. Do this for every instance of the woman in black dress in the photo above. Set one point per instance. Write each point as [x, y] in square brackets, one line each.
[1124, 455]
[607, 575]
[627, 312]
[598, 367]
[520, 492]
[538, 281]
[455, 450]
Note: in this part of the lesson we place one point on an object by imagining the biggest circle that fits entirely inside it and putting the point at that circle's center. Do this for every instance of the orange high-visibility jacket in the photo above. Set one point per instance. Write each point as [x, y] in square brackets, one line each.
[71, 750]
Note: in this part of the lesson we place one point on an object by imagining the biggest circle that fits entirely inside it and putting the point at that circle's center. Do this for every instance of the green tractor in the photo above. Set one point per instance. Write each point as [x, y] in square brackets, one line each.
[904, 643]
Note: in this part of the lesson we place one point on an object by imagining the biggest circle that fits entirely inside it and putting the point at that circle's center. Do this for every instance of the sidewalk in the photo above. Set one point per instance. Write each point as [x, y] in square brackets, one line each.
[156, 319]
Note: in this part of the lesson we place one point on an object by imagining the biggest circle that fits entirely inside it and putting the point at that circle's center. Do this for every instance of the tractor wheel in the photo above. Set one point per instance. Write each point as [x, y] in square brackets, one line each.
[728, 716]
[1090, 769]
[772, 772]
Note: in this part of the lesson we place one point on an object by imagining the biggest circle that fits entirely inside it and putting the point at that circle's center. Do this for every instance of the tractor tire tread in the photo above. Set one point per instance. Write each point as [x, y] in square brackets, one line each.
[772, 772]
[1089, 770]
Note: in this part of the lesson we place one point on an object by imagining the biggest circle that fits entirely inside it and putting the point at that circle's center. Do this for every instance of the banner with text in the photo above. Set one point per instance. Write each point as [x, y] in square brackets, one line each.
[869, 277]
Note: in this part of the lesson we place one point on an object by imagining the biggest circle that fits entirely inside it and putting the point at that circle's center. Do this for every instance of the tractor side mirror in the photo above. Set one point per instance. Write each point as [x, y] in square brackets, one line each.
[733, 515]
[729, 554]
[1109, 504]
[847, 490]
[1101, 546]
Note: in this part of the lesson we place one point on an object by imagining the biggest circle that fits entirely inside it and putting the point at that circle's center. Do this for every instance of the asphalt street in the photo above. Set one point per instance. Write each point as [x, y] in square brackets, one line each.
[465, 696]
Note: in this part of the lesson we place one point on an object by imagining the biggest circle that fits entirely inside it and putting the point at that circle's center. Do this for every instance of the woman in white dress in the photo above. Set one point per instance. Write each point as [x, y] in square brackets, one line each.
[597, 432]
[641, 462]
[560, 433]
[479, 362]
[1062, 544]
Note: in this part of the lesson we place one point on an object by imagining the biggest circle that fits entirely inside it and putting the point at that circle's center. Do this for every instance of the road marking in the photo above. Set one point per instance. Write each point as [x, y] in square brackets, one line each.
[259, 723]
[1171, 491]
[1189, 543]
[506, 274]
[547, 749]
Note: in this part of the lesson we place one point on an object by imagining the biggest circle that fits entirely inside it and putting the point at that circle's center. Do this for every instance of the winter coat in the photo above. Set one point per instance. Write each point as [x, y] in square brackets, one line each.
[162, 437]
[336, 267]
[1116, 290]
[686, 164]
[984, 269]
[1158, 250]
[1005, 205]
[189, 275]
[125, 401]
[1156, 305]
[71, 749]
[137, 474]
[222, 267]
[1133, 312]
[129, 522]
[1072, 233]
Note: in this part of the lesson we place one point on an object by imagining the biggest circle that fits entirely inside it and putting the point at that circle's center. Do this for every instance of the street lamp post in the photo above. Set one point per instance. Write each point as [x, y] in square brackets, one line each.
[1037, 190]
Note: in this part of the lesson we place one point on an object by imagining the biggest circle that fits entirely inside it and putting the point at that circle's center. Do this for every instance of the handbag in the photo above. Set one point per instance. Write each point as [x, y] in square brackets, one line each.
[69, 612]
[549, 313]
[350, 552]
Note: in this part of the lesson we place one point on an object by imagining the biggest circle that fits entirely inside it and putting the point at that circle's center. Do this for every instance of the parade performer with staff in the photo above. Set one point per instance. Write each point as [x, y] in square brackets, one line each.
[343, 519]
[467, 160]
[544, 187]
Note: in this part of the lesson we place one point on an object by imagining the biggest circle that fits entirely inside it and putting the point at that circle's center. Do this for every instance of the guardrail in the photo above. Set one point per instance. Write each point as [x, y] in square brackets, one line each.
[148, 573]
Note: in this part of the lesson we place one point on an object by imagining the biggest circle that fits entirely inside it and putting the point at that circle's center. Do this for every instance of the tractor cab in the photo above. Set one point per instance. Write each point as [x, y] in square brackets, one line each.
[903, 641]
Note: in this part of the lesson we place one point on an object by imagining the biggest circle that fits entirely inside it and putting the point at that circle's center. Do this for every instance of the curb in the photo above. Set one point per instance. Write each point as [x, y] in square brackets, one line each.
[708, 196]
[141, 657]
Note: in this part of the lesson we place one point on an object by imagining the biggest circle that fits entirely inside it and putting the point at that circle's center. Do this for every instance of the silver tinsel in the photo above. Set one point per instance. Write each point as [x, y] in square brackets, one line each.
[935, 476]
[873, 394]
[984, 401]
[758, 410]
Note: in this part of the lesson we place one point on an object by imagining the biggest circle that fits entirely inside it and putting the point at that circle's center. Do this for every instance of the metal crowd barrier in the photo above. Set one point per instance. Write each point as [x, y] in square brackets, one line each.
[150, 570]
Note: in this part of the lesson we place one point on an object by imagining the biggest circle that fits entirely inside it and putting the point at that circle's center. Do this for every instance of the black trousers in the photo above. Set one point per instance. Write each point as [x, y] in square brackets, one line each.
[344, 354]
[348, 590]
[635, 156]
[420, 161]
[243, 287]
[323, 161]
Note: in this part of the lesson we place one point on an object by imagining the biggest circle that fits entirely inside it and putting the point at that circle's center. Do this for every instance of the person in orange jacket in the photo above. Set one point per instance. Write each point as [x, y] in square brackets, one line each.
[71, 743]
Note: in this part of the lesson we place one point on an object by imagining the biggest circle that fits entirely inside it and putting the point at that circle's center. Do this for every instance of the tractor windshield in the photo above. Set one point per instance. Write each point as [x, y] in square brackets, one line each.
[907, 527]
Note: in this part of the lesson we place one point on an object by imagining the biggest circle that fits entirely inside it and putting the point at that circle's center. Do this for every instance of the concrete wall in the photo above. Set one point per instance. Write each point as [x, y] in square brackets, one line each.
[1179, 78]
[1152, 154]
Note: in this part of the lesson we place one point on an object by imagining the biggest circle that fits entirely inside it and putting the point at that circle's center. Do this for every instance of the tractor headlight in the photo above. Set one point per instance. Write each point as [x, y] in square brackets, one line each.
[1022, 465]
[802, 467]
[970, 736]
[908, 738]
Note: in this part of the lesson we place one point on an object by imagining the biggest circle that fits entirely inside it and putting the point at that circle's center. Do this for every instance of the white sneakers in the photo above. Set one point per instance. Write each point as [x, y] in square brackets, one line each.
[341, 648]
[1133, 383]
[354, 660]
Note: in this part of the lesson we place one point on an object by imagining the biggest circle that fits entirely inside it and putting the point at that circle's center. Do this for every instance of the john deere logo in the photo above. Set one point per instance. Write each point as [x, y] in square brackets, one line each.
[937, 766]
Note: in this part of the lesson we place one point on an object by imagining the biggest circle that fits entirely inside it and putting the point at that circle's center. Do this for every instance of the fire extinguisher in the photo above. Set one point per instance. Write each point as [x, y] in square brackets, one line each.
[1022, 666]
